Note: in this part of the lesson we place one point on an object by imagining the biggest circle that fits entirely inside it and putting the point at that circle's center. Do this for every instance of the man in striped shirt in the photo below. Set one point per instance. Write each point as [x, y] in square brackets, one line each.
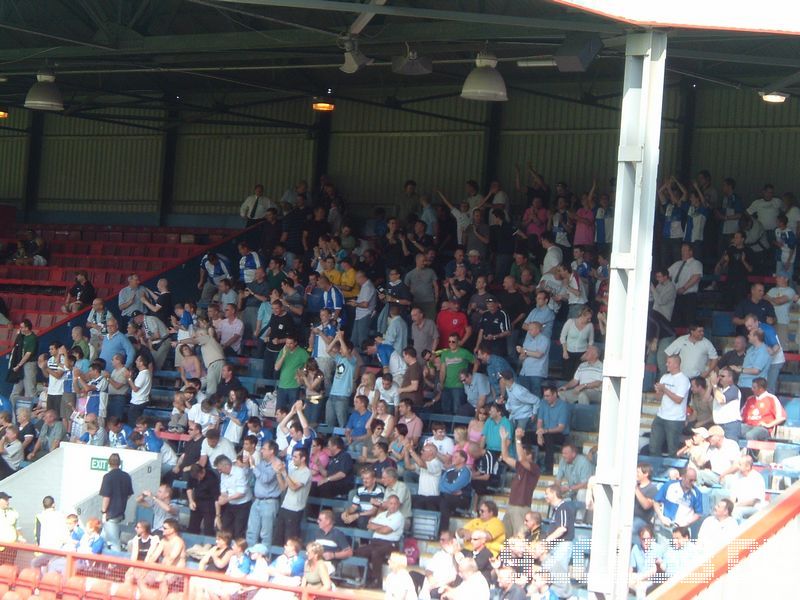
[586, 386]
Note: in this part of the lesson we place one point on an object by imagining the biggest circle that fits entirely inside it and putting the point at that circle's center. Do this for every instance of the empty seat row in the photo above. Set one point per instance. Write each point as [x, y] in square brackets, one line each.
[140, 265]
[60, 275]
[21, 585]
[144, 249]
[33, 302]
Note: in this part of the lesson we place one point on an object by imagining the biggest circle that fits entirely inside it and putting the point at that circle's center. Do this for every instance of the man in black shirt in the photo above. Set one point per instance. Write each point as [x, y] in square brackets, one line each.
[334, 542]
[494, 327]
[373, 267]
[191, 454]
[338, 480]
[280, 326]
[228, 383]
[754, 304]
[271, 232]
[516, 307]
[115, 490]
[734, 357]
[202, 492]
[562, 530]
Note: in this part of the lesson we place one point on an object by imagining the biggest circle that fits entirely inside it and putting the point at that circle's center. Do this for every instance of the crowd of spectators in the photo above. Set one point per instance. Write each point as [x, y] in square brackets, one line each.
[451, 309]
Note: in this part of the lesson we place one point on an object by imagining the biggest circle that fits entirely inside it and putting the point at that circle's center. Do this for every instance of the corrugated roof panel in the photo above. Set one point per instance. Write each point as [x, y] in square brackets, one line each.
[62, 125]
[214, 174]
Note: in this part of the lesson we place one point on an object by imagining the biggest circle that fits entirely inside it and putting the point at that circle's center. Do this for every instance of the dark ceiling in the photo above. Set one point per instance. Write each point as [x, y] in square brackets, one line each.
[147, 52]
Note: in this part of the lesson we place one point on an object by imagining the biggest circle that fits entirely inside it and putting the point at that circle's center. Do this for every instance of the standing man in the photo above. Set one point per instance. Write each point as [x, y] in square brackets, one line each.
[364, 305]
[296, 482]
[54, 371]
[233, 503]
[249, 261]
[23, 362]
[343, 380]
[685, 274]
[116, 342]
[698, 355]
[280, 327]
[422, 282]
[454, 360]
[424, 334]
[202, 493]
[672, 391]
[291, 359]
[552, 426]
[255, 206]
[526, 476]
[267, 494]
[129, 298]
[213, 269]
[115, 489]
[493, 328]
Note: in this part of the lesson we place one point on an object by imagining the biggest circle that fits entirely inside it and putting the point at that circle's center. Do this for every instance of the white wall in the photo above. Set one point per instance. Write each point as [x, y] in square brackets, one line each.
[66, 474]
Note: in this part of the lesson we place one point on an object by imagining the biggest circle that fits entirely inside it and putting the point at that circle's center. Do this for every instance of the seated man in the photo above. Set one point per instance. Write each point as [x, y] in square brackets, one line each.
[335, 544]
[338, 475]
[552, 426]
[762, 412]
[574, 471]
[718, 527]
[387, 528]
[586, 385]
[723, 458]
[50, 436]
[454, 487]
[485, 468]
[678, 503]
[362, 509]
[747, 490]
[356, 427]
[161, 504]
[487, 521]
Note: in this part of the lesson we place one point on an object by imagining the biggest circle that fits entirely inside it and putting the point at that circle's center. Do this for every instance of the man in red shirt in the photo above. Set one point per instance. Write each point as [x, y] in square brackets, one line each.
[451, 320]
[763, 412]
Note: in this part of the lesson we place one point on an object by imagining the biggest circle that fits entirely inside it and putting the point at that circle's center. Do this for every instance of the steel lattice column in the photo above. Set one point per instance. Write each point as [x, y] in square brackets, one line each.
[631, 260]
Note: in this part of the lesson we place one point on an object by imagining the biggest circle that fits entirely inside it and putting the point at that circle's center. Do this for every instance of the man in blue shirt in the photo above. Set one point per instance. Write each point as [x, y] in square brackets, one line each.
[333, 299]
[494, 366]
[756, 363]
[476, 388]
[552, 426]
[542, 313]
[152, 443]
[119, 434]
[454, 488]
[521, 404]
[267, 494]
[343, 379]
[116, 342]
[678, 503]
[356, 428]
[534, 355]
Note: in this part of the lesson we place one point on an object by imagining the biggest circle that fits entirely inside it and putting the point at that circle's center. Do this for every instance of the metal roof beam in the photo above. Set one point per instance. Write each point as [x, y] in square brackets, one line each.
[744, 59]
[572, 24]
[52, 36]
[270, 39]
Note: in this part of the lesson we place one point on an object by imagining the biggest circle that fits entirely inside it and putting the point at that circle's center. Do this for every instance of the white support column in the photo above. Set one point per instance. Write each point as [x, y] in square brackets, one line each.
[631, 260]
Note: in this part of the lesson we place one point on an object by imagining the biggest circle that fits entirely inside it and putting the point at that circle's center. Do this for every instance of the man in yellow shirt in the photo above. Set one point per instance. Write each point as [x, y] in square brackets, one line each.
[489, 522]
[347, 282]
[333, 274]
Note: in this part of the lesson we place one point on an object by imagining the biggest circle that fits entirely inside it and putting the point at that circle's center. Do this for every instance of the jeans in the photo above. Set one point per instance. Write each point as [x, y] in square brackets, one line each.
[562, 552]
[336, 411]
[733, 430]
[235, 518]
[111, 533]
[755, 432]
[360, 331]
[287, 397]
[772, 377]
[268, 368]
[261, 520]
[116, 406]
[662, 432]
[551, 440]
[452, 400]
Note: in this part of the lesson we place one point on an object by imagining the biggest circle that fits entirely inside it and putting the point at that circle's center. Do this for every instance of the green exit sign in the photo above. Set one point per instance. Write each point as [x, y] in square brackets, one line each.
[98, 464]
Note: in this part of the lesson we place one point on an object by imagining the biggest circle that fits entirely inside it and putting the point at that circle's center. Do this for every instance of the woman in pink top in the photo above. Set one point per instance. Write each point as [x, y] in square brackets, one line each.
[462, 442]
[535, 217]
[475, 427]
[318, 460]
[584, 220]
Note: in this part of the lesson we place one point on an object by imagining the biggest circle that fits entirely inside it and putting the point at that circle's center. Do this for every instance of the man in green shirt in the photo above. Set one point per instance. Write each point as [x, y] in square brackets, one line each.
[81, 341]
[290, 359]
[23, 362]
[453, 360]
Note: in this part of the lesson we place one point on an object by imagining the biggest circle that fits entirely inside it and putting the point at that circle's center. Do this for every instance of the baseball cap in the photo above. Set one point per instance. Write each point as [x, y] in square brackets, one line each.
[4, 496]
[702, 432]
[136, 313]
[490, 299]
[257, 548]
[716, 430]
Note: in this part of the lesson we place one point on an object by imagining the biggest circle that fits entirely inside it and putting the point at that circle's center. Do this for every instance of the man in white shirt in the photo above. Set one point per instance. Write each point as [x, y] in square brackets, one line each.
[766, 208]
[781, 297]
[685, 274]
[698, 354]
[255, 206]
[726, 406]
[748, 490]
[389, 390]
[231, 331]
[723, 458]
[553, 256]
[430, 470]
[444, 445]
[53, 369]
[387, 529]
[718, 527]
[586, 386]
[235, 498]
[213, 447]
[672, 391]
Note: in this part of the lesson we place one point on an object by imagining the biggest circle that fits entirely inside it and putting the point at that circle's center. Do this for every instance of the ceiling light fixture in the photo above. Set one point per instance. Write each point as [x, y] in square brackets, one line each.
[3, 113]
[773, 97]
[44, 94]
[485, 83]
[323, 104]
[411, 64]
[353, 58]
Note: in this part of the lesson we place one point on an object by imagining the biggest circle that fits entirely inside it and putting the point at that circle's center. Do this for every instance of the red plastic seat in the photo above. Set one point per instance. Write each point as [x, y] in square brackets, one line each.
[73, 588]
[8, 574]
[97, 589]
